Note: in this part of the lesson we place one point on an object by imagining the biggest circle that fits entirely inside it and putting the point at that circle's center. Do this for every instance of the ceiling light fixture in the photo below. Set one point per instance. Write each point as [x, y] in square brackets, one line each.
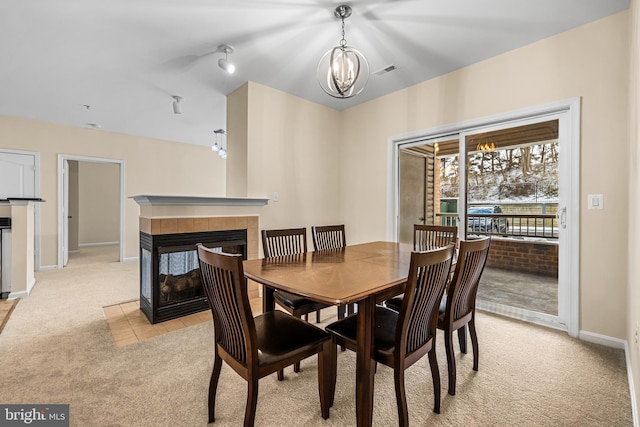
[486, 147]
[220, 148]
[224, 62]
[343, 71]
[177, 109]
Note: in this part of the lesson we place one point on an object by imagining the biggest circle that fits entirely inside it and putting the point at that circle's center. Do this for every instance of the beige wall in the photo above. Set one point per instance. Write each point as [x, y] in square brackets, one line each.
[98, 202]
[151, 167]
[633, 322]
[590, 62]
[292, 148]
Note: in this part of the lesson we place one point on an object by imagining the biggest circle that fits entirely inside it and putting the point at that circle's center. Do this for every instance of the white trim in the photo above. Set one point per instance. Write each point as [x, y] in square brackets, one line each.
[16, 295]
[530, 316]
[81, 245]
[131, 259]
[61, 159]
[632, 388]
[602, 340]
[48, 267]
[567, 110]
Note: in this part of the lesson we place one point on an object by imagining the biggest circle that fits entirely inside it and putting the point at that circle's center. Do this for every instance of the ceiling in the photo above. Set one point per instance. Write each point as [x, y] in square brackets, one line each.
[116, 64]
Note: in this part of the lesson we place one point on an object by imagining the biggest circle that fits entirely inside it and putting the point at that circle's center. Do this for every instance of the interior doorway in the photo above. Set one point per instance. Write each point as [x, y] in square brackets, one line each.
[563, 117]
[91, 208]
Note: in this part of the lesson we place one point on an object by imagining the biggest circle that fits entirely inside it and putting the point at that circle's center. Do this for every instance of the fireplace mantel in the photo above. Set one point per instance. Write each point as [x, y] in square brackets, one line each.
[152, 200]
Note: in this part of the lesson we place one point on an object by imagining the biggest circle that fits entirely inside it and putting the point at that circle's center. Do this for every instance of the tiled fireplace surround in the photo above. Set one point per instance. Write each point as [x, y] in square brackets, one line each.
[175, 225]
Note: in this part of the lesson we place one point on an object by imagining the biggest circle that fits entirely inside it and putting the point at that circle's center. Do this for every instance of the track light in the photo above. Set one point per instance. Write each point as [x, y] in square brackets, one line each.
[176, 105]
[224, 62]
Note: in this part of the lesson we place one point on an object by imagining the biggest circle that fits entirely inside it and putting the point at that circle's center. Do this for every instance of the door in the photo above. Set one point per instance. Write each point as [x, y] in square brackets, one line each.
[564, 118]
[17, 175]
[65, 214]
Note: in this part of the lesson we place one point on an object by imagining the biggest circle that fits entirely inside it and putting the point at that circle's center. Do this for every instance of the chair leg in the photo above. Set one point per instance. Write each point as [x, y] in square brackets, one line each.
[474, 342]
[325, 371]
[341, 310]
[351, 309]
[280, 374]
[296, 367]
[451, 361]
[334, 371]
[318, 316]
[213, 386]
[252, 401]
[401, 397]
[462, 338]
[435, 376]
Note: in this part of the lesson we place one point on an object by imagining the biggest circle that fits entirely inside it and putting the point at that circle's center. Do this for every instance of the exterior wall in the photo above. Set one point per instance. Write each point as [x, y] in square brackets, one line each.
[590, 62]
[527, 257]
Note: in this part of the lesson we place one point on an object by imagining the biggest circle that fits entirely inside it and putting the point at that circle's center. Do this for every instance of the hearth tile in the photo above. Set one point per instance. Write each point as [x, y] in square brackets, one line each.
[173, 324]
[169, 225]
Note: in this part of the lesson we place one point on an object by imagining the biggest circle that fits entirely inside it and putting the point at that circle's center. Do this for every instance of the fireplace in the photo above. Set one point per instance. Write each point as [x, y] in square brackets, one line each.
[170, 284]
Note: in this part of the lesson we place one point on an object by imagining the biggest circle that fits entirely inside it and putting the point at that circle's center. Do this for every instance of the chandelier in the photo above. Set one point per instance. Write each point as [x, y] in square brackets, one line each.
[486, 147]
[343, 71]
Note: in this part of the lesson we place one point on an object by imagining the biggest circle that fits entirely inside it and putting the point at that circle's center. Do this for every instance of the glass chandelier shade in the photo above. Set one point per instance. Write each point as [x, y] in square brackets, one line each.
[343, 71]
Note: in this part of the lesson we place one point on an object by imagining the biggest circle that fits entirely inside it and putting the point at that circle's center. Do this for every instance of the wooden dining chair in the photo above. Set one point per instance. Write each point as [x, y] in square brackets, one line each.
[276, 243]
[256, 347]
[426, 237]
[433, 236]
[329, 237]
[458, 307]
[401, 339]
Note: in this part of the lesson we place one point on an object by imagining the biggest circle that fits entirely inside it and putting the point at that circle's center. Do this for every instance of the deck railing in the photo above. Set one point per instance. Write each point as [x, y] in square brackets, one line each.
[510, 225]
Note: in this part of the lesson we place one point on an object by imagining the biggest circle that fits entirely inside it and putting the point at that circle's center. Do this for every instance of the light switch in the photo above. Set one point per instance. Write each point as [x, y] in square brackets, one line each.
[276, 196]
[595, 201]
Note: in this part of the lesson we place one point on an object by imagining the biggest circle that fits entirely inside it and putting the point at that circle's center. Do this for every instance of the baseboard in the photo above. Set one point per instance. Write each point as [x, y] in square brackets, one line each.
[48, 267]
[632, 388]
[130, 259]
[14, 295]
[98, 244]
[602, 340]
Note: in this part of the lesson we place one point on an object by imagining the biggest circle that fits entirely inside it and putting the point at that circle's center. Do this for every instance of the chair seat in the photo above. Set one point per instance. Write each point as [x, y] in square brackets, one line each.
[275, 345]
[384, 341]
[291, 300]
[395, 303]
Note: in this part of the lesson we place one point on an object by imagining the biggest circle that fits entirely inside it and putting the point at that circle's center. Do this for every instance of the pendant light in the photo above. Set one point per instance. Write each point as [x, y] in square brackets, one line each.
[343, 71]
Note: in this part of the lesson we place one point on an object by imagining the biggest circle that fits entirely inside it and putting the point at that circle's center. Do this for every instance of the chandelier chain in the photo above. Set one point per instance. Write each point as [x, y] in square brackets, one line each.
[343, 41]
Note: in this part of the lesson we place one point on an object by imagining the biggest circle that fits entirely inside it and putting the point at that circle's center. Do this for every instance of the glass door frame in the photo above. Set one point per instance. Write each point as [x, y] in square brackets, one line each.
[567, 112]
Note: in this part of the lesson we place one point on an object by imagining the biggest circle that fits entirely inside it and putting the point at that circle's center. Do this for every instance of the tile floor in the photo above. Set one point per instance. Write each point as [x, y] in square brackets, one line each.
[129, 325]
[6, 307]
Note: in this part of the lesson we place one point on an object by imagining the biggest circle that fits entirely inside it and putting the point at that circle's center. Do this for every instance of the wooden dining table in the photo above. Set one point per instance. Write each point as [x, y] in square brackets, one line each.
[364, 274]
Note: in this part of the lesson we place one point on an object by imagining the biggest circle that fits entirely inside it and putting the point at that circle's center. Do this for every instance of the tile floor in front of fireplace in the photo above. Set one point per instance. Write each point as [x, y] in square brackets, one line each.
[129, 325]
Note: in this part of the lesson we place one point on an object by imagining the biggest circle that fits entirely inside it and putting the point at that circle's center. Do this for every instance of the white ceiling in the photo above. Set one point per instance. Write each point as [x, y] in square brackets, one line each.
[126, 58]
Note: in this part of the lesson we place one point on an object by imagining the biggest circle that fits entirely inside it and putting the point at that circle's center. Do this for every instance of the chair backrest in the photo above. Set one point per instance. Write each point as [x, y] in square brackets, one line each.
[328, 237]
[224, 284]
[417, 320]
[432, 236]
[284, 242]
[461, 294]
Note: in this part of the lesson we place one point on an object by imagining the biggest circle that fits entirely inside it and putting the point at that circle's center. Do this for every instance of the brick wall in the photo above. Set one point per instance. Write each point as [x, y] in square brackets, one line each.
[530, 257]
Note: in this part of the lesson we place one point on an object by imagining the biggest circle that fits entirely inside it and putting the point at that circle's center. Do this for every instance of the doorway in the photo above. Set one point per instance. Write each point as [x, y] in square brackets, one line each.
[466, 140]
[91, 208]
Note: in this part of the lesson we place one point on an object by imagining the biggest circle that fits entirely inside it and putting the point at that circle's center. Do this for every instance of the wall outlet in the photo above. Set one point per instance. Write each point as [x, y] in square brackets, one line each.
[635, 333]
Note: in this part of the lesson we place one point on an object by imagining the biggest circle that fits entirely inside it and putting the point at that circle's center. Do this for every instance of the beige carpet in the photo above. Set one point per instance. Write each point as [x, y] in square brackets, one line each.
[57, 348]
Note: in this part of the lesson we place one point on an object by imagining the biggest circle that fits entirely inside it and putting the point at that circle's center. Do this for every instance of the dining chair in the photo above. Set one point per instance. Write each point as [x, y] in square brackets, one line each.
[328, 237]
[426, 237]
[278, 243]
[401, 339]
[256, 347]
[284, 242]
[433, 236]
[458, 306]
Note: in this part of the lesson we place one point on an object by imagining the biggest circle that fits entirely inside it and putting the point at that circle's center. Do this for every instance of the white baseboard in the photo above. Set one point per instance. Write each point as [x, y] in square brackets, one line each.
[632, 388]
[47, 267]
[602, 340]
[99, 244]
[16, 295]
[130, 259]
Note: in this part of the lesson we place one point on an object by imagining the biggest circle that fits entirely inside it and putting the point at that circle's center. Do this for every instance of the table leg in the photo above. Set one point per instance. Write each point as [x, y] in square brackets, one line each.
[365, 365]
[268, 303]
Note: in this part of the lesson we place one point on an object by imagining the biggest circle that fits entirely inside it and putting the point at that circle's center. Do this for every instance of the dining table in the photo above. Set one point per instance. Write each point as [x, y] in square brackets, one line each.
[365, 274]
